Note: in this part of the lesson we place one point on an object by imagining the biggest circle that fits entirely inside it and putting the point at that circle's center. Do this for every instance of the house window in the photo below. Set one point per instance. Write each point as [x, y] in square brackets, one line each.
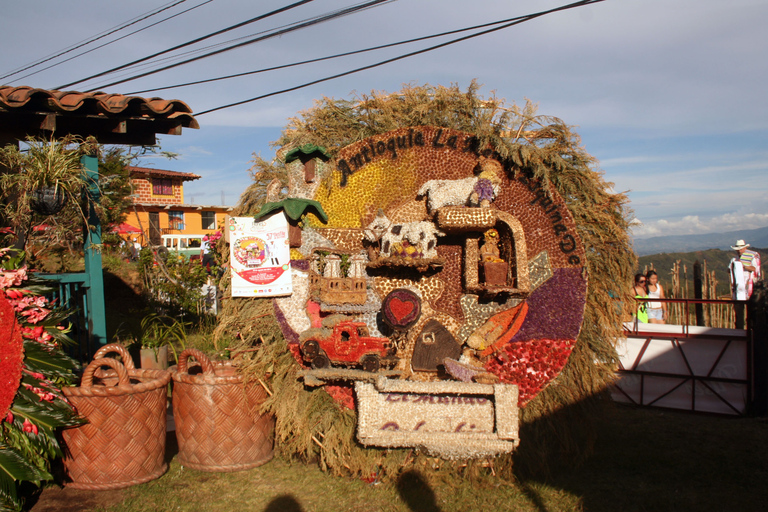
[162, 187]
[175, 220]
[208, 220]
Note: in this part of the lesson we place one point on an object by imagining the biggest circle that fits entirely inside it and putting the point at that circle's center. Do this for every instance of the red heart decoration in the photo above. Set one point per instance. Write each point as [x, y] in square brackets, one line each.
[400, 308]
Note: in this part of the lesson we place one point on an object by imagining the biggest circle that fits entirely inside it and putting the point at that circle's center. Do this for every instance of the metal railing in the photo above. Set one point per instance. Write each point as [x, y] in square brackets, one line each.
[686, 366]
[72, 294]
[692, 309]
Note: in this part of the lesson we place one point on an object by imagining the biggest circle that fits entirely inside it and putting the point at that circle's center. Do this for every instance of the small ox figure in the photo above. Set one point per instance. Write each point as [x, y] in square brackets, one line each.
[410, 239]
[463, 192]
[473, 191]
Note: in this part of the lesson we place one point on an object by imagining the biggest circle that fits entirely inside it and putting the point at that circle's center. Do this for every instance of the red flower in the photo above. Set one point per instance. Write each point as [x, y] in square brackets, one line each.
[11, 355]
[30, 427]
[530, 364]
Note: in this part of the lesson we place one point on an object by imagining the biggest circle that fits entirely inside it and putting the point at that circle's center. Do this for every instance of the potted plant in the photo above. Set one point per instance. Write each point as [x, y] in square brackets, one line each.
[158, 333]
[45, 178]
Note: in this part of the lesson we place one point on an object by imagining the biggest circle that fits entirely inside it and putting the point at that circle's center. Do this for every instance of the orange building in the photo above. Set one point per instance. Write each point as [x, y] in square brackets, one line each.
[158, 207]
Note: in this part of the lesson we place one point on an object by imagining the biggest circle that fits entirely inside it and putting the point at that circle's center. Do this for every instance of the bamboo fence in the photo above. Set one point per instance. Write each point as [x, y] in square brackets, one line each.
[715, 315]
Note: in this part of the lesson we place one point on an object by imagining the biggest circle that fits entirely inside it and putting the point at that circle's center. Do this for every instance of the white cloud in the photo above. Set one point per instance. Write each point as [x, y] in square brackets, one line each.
[693, 224]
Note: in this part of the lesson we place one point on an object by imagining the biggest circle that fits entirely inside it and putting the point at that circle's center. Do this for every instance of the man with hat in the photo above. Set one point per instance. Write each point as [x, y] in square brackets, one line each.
[745, 271]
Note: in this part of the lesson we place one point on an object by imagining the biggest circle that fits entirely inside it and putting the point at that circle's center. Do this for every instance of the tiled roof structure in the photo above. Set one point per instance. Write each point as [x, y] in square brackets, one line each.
[161, 173]
[111, 118]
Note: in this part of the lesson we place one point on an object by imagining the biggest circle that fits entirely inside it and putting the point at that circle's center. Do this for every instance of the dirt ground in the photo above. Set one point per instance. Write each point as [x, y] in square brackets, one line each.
[54, 499]
[66, 499]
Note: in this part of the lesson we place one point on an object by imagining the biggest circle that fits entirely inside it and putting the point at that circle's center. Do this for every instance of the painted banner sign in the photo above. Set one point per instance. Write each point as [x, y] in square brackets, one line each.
[259, 256]
[447, 419]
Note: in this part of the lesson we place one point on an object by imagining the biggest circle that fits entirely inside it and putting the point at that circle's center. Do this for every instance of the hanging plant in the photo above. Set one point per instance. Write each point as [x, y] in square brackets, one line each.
[48, 200]
[41, 179]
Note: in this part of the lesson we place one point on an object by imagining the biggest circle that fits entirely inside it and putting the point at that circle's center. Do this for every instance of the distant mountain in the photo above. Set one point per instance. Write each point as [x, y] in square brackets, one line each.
[688, 243]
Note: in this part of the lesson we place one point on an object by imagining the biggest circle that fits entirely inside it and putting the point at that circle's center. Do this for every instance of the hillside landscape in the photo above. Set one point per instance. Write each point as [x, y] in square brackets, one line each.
[716, 260]
[687, 243]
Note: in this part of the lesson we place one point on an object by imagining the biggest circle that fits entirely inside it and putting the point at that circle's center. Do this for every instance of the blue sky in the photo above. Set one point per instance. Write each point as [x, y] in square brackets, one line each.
[669, 95]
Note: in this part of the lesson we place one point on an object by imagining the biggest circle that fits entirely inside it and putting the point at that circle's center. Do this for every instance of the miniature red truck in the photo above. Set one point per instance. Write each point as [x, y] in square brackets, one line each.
[347, 344]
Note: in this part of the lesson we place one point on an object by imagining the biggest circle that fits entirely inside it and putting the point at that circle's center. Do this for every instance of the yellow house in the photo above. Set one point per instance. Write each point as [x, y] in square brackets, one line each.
[158, 207]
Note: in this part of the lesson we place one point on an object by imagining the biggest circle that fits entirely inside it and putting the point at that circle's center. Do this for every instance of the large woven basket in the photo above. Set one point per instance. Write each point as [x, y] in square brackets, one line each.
[123, 443]
[219, 426]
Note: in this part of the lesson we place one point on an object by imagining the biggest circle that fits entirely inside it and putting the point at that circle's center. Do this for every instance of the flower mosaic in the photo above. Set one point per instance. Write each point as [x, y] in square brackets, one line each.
[434, 178]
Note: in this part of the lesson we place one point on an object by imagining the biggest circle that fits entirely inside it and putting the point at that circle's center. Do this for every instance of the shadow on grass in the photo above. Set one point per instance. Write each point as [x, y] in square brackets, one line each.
[284, 503]
[645, 459]
[416, 492]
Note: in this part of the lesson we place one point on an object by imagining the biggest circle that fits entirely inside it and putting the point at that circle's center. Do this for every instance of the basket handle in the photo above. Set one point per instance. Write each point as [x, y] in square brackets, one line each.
[122, 373]
[199, 357]
[116, 347]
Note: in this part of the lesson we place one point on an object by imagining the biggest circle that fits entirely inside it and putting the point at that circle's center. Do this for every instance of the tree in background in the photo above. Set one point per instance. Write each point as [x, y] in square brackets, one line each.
[115, 187]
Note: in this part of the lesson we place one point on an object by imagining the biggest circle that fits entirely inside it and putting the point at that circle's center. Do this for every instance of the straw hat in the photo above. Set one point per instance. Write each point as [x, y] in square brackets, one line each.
[740, 244]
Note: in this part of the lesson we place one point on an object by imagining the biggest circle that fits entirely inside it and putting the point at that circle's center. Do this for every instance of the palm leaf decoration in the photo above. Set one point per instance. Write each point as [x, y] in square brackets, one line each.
[41, 359]
[294, 208]
[15, 468]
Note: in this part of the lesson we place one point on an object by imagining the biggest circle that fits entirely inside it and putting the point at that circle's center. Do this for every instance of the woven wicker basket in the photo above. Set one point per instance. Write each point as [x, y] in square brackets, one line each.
[218, 423]
[123, 443]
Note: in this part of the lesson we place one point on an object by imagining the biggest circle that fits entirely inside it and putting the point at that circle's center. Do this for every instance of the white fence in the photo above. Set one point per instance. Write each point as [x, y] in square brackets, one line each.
[685, 367]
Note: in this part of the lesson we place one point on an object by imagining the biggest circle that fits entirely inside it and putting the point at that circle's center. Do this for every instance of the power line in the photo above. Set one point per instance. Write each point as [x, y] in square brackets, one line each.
[218, 32]
[523, 19]
[320, 19]
[330, 57]
[115, 40]
[179, 56]
[101, 35]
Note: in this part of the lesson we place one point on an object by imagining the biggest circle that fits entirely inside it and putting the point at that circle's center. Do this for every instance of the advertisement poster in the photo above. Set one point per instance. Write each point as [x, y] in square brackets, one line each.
[260, 256]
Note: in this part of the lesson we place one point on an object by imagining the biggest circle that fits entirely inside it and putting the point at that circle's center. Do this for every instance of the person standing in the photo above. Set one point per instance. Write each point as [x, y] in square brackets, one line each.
[641, 293]
[657, 311]
[206, 258]
[745, 272]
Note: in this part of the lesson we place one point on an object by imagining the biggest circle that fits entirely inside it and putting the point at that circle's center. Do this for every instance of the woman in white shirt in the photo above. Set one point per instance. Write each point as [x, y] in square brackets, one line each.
[657, 311]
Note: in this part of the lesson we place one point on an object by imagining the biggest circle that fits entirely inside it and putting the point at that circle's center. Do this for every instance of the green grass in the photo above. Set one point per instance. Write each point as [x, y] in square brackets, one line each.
[644, 460]
[307, 488]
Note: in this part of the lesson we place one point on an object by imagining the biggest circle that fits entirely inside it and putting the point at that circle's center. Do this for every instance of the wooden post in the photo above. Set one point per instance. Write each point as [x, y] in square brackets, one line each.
[757, 331]
[97, 321]
[697, 292]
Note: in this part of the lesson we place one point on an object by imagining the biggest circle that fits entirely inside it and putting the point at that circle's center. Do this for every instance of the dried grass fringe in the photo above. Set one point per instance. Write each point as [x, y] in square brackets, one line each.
[556, 428]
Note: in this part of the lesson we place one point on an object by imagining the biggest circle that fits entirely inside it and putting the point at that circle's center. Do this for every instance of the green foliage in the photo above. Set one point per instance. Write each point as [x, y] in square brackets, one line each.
[173, 282]
[45, 163]
[294, 208]
[159, 330]
[14, 467]
[115, 187]
[28, 434]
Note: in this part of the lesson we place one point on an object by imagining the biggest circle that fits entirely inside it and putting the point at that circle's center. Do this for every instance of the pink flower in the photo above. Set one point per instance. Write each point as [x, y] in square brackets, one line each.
[30, 427]
[10, 278]
[9, 417]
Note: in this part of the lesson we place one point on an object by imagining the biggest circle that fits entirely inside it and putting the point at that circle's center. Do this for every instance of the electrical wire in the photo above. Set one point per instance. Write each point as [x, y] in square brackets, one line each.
[95, 38]
[115, 40]
[179, 56]
[197, 40]
[330, 57]
[315, 21]
[528, 17]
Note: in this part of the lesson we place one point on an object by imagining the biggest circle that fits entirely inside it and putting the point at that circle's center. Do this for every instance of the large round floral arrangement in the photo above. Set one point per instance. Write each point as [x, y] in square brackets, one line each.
[577, 255]
[33, 369]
